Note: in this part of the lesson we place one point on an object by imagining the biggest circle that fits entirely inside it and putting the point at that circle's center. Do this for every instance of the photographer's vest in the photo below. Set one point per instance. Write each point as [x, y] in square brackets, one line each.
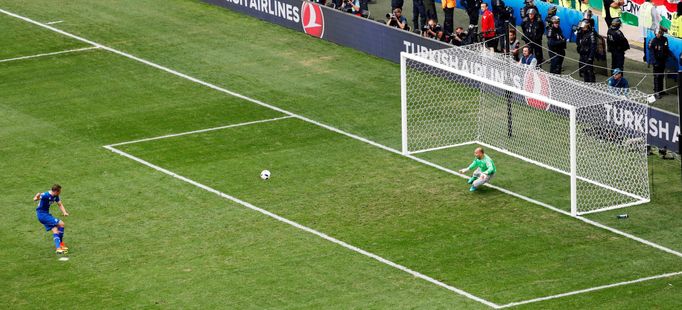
[613, 12]
[566, 3]
[582, 7]
[676, 27]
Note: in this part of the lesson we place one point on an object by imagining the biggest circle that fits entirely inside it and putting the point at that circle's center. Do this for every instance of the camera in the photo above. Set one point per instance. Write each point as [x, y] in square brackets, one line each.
[390, 16]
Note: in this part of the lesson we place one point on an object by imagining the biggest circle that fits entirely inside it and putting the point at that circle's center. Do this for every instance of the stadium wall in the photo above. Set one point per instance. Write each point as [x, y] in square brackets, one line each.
[386, 42]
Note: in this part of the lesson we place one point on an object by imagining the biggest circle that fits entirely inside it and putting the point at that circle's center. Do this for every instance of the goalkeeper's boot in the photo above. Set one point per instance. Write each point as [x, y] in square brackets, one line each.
[63, 246]
[472, 189]
[471, 180]
[61, 251]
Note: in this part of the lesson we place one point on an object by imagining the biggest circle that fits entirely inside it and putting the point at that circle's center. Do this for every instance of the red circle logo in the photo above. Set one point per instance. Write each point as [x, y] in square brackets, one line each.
[312, 19]
[536, 82]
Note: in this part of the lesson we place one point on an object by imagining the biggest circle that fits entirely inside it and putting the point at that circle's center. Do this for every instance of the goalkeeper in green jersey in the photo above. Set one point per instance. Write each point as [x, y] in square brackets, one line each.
[485, 169]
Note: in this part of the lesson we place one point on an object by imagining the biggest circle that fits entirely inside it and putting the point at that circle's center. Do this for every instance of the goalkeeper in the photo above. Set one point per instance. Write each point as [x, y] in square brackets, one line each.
[485, 169]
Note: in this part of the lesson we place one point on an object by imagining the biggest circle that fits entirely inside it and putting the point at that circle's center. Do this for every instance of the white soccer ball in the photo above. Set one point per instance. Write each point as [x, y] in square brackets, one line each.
[265, 174]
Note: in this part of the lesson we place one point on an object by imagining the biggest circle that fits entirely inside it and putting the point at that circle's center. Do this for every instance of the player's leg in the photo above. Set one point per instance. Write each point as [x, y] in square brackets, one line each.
[476, 175]
[480, 181]
[57, 240]
[60, 228]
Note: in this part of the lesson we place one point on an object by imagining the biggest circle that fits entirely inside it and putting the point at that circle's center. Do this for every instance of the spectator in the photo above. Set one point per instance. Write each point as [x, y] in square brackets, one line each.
[648, 18]
[616, 10]
[449, 12]
[488, 27]
[397, 20]
[397, 4]
[583, 5]
[566, 3]
[676, 24]
[527, 58]
[533, 31]
[472, 8]
[587, 48]
[617, 44]
[606, 12]
[617, 83]
[514, 44]
[612, 9]
[458, 37]
[660, 51]
[557, 45]
[418, 14]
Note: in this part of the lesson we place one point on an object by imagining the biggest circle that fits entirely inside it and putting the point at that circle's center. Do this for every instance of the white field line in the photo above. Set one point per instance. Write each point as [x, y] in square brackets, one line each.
[592, 289]
[305, 228]
[48, 54]
[334, 129]
[54, 22]
[326, 237]
[202, 130]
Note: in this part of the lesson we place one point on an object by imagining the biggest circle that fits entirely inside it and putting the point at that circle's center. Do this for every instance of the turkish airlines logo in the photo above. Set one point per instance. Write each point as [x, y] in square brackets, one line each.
[536, 82]
[312, 19]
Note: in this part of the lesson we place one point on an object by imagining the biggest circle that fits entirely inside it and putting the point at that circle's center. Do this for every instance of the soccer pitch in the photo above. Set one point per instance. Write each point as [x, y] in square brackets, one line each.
[158, 121]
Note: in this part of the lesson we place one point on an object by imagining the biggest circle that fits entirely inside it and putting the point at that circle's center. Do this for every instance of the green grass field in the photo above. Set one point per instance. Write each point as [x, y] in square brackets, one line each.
[141, 238]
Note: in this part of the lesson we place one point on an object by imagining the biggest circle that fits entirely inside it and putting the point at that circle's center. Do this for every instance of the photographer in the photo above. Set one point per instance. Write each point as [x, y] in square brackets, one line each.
[431, 30]
[458, 37]
[397, 20]
[351, 6]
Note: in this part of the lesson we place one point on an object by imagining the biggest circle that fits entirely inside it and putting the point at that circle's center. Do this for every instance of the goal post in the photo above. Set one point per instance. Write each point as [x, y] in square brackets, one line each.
[465, 96]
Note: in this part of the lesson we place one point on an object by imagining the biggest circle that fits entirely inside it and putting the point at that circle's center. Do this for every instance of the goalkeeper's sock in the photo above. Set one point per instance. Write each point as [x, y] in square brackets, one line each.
[471, 180]
[57, 240]
[61, 233]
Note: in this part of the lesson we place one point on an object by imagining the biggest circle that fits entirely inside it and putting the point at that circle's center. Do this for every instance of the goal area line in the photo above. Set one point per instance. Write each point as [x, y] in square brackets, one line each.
[339, 131]
[49, 54]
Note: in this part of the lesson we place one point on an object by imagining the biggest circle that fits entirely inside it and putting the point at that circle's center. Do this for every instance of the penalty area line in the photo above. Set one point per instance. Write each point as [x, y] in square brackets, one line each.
[202, 130]
[49, 54]
[592, 289]
[305, 228]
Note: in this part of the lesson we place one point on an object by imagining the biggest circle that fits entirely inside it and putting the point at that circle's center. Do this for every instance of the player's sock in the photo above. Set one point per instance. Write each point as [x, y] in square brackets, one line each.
[61, 233]
[57, 240]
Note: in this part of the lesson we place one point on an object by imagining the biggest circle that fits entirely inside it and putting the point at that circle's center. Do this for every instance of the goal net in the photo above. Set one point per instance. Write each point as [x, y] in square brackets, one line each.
[462, 96]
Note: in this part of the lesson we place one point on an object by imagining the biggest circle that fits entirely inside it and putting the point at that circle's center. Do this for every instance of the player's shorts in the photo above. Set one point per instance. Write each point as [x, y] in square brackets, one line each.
[47, 220]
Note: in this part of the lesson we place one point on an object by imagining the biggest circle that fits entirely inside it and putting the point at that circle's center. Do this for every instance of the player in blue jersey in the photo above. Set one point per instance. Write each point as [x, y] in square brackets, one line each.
[45, 200]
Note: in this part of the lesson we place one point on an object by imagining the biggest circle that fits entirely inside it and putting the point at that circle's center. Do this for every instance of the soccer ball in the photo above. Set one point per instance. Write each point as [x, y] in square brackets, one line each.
[265, 174]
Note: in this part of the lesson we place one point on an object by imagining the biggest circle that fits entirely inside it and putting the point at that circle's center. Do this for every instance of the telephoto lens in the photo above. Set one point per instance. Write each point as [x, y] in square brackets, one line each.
[622, 216]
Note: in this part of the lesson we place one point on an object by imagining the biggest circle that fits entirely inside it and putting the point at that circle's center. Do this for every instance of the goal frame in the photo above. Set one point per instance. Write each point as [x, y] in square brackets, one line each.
[573, 160]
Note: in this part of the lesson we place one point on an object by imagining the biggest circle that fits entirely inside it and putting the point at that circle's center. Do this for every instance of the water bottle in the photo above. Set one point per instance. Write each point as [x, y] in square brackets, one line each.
[622, 216]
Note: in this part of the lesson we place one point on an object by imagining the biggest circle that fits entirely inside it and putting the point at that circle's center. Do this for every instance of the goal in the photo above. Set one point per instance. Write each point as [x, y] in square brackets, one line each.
[467, 96]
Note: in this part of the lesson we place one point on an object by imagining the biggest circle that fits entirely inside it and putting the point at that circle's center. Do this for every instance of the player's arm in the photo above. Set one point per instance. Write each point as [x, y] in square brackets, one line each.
[37, 197]
[464, 170]
[61, 208]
